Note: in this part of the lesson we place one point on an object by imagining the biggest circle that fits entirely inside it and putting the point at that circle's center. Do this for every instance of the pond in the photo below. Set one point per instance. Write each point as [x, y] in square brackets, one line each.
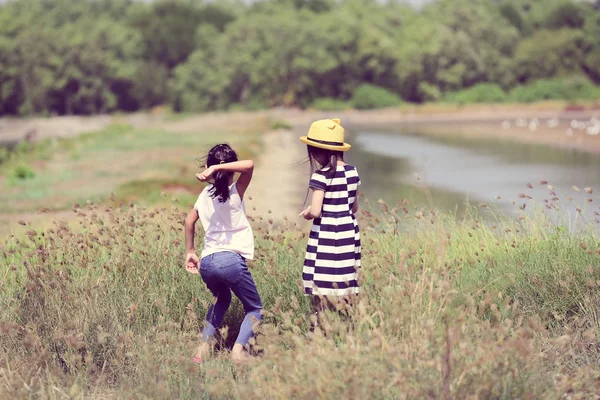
[449, 171]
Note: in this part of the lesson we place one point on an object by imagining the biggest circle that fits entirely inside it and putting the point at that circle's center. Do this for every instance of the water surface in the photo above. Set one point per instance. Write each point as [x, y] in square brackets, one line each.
[454, 170]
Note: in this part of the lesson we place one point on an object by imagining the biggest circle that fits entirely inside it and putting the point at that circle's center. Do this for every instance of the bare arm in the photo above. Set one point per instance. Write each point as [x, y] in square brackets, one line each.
[316, 204]
[355, 204]
[190, 227]
[244, 167]
[191, 259]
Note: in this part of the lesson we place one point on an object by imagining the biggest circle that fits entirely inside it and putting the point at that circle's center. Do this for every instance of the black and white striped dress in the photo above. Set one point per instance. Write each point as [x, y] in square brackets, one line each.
[333, 251]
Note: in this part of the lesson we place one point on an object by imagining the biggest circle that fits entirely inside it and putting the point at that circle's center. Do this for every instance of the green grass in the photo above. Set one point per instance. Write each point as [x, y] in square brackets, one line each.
[275, 125]
[449, 309]
[57, 173]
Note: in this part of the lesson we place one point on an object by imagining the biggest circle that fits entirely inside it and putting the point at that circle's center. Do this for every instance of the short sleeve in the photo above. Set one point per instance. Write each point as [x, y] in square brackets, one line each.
[318, 182]
[234, 196]
[197, 204]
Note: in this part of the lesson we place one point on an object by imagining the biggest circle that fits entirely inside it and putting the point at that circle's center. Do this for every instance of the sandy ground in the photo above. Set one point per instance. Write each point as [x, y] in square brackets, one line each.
[483, 121]
[472, 122]
[15, 129]
[277, 186]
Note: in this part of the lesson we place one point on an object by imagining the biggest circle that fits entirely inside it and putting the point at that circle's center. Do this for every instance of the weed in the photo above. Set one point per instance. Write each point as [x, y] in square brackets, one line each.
[449, 309]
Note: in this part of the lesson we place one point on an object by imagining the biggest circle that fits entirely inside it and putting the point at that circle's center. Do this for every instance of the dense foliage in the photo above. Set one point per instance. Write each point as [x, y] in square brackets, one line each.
[90, 56]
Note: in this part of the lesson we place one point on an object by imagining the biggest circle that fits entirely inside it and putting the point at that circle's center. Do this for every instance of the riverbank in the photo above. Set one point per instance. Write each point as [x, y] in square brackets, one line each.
[516, 123]
[12, 129]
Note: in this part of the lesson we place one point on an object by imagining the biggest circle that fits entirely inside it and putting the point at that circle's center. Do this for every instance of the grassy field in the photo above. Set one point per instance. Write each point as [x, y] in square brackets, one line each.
[99, 306]
[449, 310]
[138, 164]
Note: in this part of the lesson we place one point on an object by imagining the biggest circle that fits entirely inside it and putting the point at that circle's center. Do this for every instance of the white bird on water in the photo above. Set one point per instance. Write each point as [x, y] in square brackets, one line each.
[520, 122]
[533, 125]
[593, 130]
[553, 122]
[569, 132]
[506, 124]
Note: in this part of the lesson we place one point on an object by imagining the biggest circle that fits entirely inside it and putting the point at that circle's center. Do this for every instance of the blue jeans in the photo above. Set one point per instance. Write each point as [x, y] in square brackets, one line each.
[224, 272]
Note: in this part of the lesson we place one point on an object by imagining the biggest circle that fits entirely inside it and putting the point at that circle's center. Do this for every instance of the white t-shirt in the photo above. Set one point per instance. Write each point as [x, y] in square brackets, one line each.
[226, 227]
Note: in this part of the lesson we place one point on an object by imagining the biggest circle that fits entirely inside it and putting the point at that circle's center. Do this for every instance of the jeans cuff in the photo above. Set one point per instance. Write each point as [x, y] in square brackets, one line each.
[208, 332]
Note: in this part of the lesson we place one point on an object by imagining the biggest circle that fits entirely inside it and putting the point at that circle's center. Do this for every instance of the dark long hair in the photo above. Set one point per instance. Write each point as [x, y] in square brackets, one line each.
[323, 161]
[220, 154]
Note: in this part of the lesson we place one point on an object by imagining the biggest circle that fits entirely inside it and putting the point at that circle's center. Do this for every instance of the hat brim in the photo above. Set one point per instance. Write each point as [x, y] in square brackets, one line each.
[344, 147]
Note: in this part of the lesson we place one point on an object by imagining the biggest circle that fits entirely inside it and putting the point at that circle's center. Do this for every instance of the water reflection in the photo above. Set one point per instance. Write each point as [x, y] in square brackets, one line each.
[457, 169]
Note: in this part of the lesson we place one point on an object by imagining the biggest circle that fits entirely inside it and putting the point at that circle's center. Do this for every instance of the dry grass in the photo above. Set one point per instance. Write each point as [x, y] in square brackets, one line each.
[449, 310]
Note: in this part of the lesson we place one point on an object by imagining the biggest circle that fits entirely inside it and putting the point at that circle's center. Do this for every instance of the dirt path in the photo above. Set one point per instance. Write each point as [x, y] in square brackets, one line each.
[277, 188]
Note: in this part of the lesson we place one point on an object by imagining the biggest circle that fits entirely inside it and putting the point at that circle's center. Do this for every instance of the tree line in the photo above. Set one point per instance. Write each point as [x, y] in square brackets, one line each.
[98, 56]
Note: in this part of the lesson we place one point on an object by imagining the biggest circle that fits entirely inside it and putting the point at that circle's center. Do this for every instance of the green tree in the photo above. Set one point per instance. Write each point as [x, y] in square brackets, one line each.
[443, 47]
[591, 32]
[65, 59]
[550, 53]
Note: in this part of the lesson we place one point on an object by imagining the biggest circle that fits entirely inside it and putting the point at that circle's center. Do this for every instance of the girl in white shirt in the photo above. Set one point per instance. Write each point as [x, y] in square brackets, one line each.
[228, 243]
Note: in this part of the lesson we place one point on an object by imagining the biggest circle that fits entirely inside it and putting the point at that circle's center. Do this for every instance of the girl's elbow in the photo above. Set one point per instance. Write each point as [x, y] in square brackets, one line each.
[190, 223]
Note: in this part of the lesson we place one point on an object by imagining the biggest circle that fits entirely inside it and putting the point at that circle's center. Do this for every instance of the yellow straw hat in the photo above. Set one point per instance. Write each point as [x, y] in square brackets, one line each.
[326, 134]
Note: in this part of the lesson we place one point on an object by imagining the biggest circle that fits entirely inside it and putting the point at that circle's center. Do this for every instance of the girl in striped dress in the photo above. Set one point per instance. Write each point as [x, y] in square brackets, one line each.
[332, 262]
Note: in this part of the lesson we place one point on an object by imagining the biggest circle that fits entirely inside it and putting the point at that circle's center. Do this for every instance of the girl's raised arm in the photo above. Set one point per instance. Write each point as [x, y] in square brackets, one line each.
[244, 167]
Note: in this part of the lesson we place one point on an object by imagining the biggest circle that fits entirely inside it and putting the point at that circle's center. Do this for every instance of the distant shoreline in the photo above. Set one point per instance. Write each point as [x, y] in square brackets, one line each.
[475, 120]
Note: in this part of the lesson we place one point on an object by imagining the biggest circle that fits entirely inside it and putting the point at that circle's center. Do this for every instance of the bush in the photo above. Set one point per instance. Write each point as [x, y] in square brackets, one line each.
[276, 125]
[330, 104]
[429, 92]
[367, 97]
[23, 172]
[482, 93]
[570, 89]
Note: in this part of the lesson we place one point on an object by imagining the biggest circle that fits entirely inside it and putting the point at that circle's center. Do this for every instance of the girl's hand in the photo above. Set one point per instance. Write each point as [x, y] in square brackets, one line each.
[206, 175]
[191, 263]
[306, 213]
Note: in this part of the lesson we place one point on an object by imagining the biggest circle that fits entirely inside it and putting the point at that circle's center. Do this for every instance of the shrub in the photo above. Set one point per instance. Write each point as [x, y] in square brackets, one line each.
[23, 172]
[330, 104]
[429, 92]
[370, 97]
[481, 93]
[275, 125]
[576, 88]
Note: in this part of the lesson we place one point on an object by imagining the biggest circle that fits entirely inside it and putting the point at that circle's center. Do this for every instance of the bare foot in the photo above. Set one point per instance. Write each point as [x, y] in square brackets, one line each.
[202, 353]
[239, 356]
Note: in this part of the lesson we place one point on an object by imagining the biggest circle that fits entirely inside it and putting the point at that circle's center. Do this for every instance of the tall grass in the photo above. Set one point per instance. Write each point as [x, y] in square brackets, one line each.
[449, 309]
